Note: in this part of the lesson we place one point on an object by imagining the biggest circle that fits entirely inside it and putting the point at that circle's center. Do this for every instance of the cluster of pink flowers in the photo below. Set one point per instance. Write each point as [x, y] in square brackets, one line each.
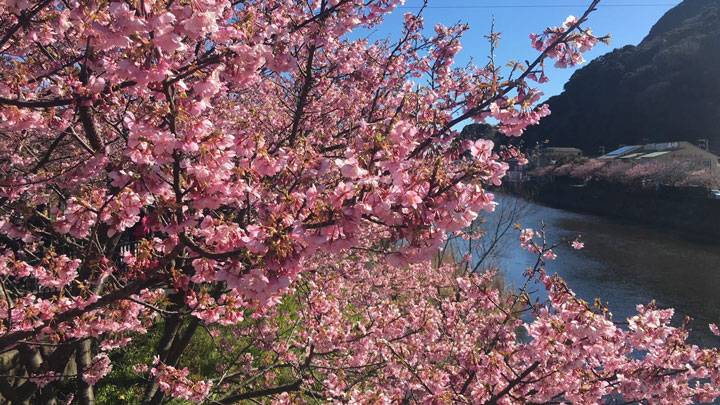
[99, 367]
[80, 214]
[439, 335]
[569, 53]
[645, 174]
[248, 170]
[176, 383]
[44, 378]
[58, 271]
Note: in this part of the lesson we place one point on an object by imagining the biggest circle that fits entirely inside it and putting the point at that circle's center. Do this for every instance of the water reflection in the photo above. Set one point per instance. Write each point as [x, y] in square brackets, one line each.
[624, 264]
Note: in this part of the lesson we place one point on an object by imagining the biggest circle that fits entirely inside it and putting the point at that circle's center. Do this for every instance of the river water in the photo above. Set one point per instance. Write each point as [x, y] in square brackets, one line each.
[624, 264]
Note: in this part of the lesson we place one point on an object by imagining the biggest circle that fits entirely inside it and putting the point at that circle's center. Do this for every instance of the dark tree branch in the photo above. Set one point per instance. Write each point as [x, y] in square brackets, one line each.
[292, 387]
[117, 295]
[512, 384]
[321, 15]
[58, 102]
[307, 85]
[84, 108]
[23, 21]
[295, 386]
[511, 86]
[43, 161]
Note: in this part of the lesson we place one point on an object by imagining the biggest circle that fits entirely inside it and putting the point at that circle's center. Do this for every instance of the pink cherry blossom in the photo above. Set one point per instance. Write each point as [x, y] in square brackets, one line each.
[255, 175]
[100, 366]
[176, 383]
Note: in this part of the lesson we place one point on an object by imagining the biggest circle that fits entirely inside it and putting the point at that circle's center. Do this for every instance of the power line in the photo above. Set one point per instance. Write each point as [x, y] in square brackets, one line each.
[543, 6]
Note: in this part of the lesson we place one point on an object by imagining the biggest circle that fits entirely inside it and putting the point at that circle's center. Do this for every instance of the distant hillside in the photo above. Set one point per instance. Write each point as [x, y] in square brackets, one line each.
[665, 89]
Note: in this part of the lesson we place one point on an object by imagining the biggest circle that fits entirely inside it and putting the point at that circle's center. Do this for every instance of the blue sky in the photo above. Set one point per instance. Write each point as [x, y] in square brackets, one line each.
[627, 21]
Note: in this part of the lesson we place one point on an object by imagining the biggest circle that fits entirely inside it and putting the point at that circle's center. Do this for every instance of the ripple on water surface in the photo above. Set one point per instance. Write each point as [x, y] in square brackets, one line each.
[625, 264]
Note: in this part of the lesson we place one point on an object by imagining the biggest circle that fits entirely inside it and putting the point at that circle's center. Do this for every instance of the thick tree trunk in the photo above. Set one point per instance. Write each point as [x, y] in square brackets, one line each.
[171, 329]
[31, 359]
[86, 394]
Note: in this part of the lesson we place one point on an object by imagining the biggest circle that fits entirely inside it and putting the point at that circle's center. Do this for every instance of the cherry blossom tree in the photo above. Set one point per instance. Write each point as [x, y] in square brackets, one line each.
[650, 173]
[439, 337]
[198, 166]
[587, 170]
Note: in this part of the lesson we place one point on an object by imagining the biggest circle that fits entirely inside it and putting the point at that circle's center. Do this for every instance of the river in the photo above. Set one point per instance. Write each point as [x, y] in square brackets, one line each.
[622, 263]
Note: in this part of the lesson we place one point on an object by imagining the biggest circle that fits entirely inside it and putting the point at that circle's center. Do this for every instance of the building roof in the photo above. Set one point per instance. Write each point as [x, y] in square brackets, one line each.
[653, 150]
[622, 151]
[654, 154]
[562, 149]
[666, 146]
[631, 156]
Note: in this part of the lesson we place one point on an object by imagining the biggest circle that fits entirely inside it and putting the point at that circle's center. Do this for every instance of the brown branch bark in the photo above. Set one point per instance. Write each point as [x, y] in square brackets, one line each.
[321, 15]
[46, 157]
[292, 387]
[304, 92]
[295, 386]
[512, 384]
[23, 21]
[57, 102]
[86, 394]
[117, 295]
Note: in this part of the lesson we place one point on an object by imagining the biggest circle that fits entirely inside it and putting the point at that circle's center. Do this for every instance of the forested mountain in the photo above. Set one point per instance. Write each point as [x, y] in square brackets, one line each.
[666, 88]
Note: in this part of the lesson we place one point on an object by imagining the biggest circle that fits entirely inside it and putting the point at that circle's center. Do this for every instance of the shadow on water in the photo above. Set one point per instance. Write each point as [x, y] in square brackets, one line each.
[624, 264]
